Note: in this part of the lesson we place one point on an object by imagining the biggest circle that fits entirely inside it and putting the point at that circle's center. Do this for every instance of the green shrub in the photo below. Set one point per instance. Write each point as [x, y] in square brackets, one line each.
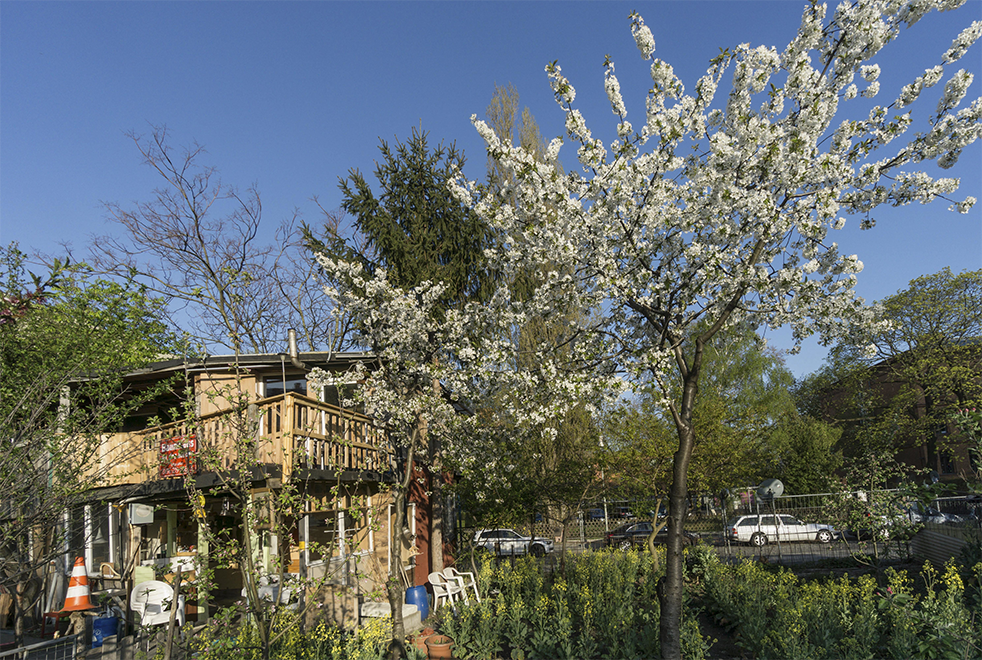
[774, 615]
[324, 641]
[604, 606]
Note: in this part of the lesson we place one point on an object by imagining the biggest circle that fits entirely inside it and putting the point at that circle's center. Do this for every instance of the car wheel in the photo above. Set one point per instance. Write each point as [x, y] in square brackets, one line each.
[758, 539]
[537, 551]
[625, 545]
[824, 536]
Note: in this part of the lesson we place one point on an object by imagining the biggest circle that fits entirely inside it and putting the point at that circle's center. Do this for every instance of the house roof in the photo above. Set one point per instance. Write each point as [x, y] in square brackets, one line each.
[327, 360]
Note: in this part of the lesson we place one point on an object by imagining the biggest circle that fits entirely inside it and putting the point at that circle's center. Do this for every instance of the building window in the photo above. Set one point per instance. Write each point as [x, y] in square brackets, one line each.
[322, 535]
[336, 395]
[92, 535]
[337, 534]
[295, 384]
[946, 461]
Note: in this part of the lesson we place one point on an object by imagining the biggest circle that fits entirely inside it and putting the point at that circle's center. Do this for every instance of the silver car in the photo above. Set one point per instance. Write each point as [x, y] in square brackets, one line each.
[761, 530]
[504, 542]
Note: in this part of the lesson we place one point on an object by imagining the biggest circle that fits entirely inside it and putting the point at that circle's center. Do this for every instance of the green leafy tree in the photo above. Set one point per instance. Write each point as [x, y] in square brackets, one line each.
[744, 399]
[901, 383]
[66, 340]
[803, 455]
[518, 127]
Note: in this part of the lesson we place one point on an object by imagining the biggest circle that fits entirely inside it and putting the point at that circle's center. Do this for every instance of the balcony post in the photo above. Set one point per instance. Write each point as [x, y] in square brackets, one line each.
[289, 414]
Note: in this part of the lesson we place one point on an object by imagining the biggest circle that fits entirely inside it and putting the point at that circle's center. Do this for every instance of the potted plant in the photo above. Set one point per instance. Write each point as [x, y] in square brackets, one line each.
[439, 646]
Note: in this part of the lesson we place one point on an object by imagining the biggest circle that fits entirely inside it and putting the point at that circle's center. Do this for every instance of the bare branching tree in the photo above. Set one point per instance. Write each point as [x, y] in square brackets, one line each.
[199, 244]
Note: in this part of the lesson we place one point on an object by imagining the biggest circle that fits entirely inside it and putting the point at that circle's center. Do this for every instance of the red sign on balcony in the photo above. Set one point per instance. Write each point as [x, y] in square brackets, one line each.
[177, 456]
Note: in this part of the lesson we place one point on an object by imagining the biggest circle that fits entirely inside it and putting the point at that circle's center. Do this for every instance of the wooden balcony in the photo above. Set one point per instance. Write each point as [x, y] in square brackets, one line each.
[293, 431]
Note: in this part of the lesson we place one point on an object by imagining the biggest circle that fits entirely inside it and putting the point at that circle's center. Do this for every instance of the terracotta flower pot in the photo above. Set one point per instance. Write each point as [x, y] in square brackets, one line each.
[419, 639]
[439, 646]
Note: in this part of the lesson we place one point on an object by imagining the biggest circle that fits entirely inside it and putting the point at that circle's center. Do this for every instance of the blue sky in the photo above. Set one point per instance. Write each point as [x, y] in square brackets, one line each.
[291, 95]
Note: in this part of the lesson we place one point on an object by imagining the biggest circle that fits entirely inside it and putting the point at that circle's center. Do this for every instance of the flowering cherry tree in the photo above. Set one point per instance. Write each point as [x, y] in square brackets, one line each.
[720, 205]
[415, 346]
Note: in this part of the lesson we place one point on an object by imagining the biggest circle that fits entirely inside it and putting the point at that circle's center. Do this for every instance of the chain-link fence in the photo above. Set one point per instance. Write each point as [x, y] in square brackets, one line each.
[879, 523]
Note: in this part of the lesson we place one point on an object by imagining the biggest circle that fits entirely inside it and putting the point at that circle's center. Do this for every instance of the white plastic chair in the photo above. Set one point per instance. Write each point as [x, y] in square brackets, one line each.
[448, 590]
[147, 600]
[465, 580]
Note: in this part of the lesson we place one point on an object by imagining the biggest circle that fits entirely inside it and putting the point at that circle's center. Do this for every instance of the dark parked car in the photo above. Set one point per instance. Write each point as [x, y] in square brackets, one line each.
[636, 535]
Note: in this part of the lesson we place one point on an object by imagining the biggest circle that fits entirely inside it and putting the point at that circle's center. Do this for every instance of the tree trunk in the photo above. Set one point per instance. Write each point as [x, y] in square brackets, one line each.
[393, 585]
[250, 578]
[436, 520]
[655, 528]
[670, 587]
[19, 610]
[436, 497]
[670, 593]
[172, 624]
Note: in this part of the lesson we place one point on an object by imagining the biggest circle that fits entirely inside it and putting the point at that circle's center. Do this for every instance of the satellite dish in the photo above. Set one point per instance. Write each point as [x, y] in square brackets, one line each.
[770, 488]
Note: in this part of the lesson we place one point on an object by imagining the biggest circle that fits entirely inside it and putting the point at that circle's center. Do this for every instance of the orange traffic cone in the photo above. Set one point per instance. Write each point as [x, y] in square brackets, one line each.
[77, 598]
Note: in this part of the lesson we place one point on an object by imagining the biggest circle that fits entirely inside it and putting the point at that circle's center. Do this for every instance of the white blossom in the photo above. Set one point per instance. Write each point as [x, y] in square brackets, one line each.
[963, 42]
[642, 36]
[955, 91]
[870, 72]
[964, 206]
[613, 88]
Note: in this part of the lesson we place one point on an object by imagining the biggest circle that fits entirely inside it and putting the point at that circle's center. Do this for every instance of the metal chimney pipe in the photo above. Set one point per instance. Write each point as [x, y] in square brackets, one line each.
[291, 336]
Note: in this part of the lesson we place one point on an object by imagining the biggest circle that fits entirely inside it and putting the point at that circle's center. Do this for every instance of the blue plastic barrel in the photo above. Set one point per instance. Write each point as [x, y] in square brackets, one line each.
[417, 596]
[101, 628]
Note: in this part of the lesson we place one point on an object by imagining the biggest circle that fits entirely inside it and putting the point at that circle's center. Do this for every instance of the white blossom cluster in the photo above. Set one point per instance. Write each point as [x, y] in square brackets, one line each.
[432, 364]
[718, 210]
[414, 350]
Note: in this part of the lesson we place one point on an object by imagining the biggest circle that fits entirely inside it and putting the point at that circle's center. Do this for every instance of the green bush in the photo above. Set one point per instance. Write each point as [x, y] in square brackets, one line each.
[323, 642]
[775, 615]
[605, 606]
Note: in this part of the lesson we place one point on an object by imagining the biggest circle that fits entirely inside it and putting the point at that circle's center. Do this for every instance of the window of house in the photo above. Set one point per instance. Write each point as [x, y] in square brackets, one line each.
[295, 384]
[357, 536]
[322, 535]
[100, 532]
[946, 461]
[336, 395]
[92, 535]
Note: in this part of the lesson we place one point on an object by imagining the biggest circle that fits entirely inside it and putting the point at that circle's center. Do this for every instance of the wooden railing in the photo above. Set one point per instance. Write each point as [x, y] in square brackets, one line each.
[292, 431]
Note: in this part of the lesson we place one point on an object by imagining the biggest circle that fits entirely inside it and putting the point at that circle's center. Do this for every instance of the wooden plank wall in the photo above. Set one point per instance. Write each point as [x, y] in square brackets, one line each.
[933, 546]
